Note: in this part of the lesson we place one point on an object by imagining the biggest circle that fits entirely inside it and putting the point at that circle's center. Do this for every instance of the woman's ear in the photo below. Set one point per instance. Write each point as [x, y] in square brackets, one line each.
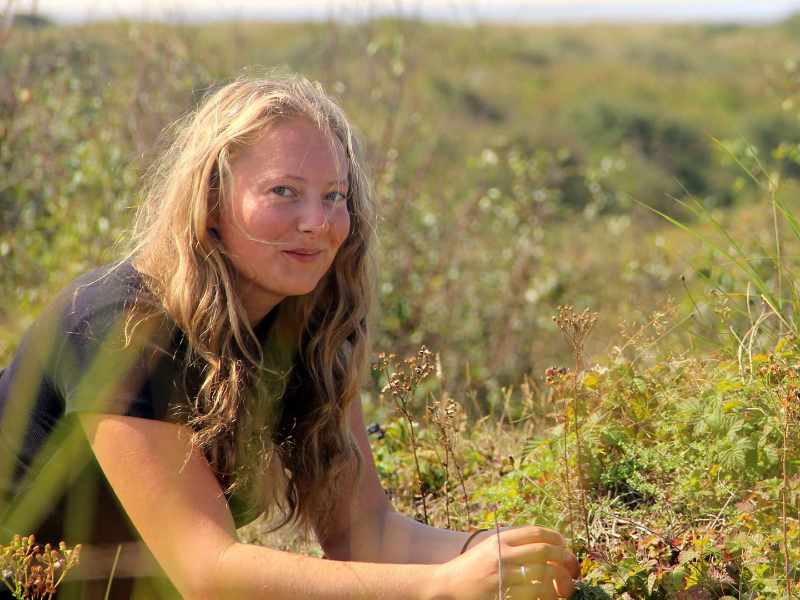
[212, 219]
[212, 204]
[212, 226]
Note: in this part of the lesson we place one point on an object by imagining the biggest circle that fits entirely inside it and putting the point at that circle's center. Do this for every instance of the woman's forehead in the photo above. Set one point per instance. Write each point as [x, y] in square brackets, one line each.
[297, 144]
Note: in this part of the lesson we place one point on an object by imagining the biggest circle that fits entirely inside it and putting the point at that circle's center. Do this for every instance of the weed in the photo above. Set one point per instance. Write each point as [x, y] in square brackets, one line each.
[791, 419]
[33, 572]
[576, 327]
[445, 414]
[402, 381]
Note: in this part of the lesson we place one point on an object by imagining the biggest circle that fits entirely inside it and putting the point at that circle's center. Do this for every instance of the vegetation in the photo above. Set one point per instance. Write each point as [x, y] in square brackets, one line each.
[29, 570]
[646, 173]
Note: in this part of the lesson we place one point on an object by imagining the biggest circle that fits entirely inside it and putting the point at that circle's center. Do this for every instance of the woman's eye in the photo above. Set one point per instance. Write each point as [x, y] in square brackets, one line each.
[335, 197]
[283, 191]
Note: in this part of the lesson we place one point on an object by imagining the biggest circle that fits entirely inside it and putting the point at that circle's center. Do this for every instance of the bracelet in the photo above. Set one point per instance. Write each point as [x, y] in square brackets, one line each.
[470, 538]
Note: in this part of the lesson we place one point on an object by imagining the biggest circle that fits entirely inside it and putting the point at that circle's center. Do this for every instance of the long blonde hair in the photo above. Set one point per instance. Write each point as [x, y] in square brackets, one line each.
[194, 283]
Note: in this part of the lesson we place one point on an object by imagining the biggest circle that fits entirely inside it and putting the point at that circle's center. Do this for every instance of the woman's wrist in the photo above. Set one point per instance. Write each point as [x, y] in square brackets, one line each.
[483, 534]
[470, 539]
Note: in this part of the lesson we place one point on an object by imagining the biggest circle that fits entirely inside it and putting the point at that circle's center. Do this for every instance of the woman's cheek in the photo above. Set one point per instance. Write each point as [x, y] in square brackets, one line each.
[342, 227]
[265, 222]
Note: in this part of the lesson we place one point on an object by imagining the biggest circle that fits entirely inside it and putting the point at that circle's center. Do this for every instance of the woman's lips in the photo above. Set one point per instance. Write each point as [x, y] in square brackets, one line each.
[303, 255]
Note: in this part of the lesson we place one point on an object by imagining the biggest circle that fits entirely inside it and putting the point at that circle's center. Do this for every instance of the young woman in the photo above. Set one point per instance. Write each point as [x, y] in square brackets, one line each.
[213, 375]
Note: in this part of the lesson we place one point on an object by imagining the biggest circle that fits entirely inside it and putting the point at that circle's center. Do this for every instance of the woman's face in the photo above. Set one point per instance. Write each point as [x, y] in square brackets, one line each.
[286, 214]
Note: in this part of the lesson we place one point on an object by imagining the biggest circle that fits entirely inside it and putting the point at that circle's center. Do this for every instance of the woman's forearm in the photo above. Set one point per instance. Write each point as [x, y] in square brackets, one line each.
[248, 571]
[388, 536]
[423, 544]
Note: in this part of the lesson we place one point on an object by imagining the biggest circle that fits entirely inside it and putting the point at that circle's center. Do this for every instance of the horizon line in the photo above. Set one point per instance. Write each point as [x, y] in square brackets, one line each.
[499, 12]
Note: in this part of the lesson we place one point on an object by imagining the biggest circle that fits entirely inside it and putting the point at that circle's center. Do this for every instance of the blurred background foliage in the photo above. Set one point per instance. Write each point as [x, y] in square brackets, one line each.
[508, 161]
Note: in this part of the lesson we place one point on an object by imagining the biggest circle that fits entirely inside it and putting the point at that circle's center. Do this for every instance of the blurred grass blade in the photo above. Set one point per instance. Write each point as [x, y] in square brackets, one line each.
[739, 259]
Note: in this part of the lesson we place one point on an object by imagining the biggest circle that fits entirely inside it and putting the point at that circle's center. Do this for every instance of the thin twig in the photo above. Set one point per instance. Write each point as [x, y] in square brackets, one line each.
[777, 253]
[722, 510]
[113, 571]
[784, 494]
[500, 592]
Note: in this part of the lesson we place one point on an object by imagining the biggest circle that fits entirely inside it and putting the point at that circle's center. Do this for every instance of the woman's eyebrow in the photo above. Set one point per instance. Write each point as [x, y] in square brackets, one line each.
[271, 176]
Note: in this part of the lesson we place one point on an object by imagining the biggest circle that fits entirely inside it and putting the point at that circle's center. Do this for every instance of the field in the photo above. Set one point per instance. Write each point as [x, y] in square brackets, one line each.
[645, 175]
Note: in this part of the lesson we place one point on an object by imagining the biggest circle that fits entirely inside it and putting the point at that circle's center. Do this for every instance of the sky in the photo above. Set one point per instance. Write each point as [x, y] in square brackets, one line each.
[465, 11]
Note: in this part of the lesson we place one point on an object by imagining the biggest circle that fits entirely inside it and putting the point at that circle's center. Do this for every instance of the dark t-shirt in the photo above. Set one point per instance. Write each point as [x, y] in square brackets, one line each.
[85, 354]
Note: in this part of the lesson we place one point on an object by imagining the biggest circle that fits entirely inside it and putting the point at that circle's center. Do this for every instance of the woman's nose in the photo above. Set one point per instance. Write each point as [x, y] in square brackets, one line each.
[313, 217]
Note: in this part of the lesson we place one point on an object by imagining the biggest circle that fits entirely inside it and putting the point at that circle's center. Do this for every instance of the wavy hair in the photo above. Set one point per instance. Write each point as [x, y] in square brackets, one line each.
[309, 450]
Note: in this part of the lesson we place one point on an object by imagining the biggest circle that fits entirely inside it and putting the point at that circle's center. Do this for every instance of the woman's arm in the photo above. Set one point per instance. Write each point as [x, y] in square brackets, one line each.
[391, 537]
[178, 508]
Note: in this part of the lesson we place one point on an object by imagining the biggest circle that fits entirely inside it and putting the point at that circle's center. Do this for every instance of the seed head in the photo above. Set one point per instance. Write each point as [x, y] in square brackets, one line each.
[575, 326]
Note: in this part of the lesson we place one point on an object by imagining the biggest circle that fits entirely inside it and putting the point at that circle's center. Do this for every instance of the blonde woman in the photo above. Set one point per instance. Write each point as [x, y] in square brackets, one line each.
[213, 375]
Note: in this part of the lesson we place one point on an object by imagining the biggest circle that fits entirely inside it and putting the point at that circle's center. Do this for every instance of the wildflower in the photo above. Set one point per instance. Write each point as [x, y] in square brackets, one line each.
[555, 375]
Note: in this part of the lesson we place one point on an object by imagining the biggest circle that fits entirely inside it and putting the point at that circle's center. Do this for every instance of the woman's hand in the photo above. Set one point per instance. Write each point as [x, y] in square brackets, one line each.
[536, 565]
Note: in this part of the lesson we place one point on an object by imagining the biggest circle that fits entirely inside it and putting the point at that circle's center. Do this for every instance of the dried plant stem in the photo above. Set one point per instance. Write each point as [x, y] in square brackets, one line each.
[575, 327]
[414, 451]
[439, 419]
[567, 485]
[778, 253]
[113, 571]
[784, 494]
[500, 592]
[443, 422]
[579, 449]
[403, 385]
[447, 485]
[465, 496]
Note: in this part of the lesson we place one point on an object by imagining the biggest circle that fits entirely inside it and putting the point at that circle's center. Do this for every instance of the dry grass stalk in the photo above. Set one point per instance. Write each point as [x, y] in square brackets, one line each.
[576, 327]
[402, 384]
[557, 378]
[660, 323]
[791, 417]
[445, 414]
[435, 415]
[500, 589]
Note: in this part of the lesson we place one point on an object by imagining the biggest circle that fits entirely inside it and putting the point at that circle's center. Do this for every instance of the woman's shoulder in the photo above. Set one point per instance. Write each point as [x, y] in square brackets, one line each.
[85, 340]
[100, 300]
[109, 288]
[94, 312]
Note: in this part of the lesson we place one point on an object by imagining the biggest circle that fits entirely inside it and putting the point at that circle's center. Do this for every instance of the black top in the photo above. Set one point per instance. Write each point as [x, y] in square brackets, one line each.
[80, 356]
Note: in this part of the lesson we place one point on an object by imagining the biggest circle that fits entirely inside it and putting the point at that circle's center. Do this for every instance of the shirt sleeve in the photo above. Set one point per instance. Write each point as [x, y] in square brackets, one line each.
[109, 362]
